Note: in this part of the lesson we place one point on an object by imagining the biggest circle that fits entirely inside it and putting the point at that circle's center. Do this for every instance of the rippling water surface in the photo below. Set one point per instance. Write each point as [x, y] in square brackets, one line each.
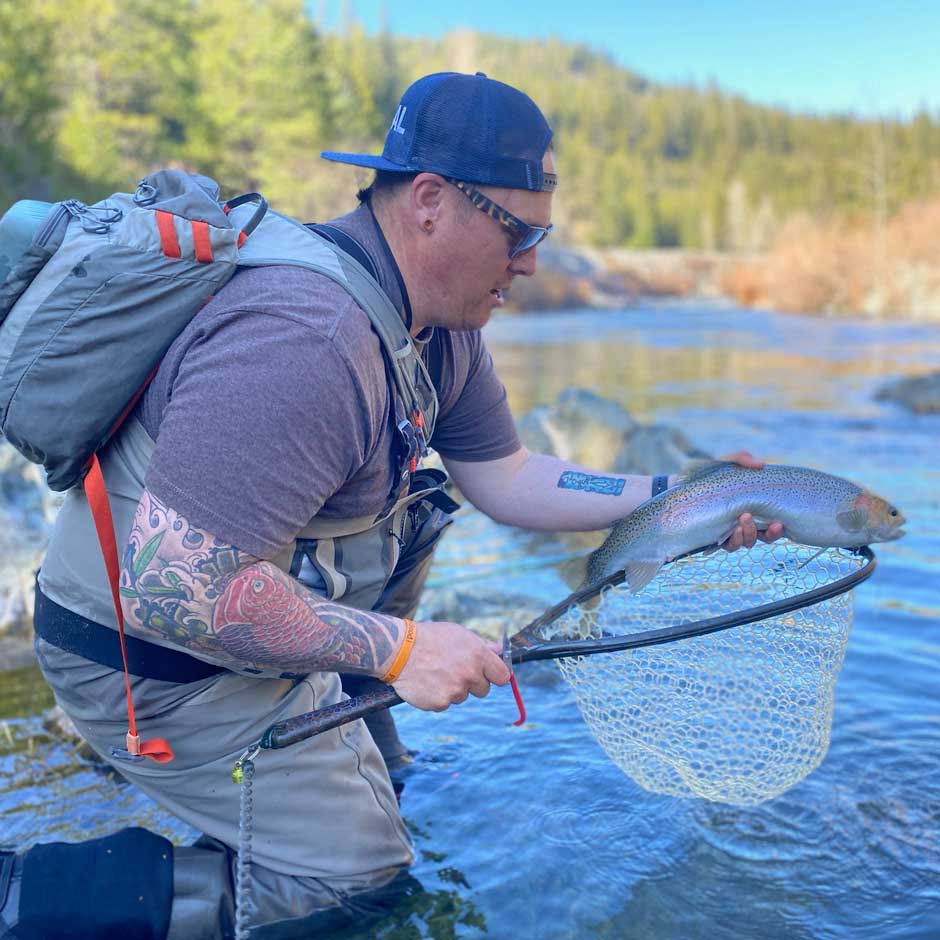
[531, 832]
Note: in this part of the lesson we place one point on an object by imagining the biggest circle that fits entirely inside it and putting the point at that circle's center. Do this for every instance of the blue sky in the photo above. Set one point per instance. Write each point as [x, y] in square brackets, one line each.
[865, 57]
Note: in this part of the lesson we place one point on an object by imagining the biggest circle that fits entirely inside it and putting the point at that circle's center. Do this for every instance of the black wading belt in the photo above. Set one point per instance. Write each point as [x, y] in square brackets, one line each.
[91, 640]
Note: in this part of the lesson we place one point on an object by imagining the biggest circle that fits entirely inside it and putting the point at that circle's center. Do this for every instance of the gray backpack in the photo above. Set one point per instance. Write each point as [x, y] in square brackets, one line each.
[91, 297]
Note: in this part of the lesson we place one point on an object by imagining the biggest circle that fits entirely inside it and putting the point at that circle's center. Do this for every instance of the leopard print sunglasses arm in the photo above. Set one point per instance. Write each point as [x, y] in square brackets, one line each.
[529, 235]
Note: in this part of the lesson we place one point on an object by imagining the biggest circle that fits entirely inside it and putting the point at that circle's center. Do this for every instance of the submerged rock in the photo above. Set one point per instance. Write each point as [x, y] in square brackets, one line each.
[920, 393]
[586, 428]
[581, 426]
[484, 613]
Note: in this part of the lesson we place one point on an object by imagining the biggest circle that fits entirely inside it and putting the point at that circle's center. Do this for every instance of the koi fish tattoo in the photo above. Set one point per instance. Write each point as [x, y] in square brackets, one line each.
[180, 583]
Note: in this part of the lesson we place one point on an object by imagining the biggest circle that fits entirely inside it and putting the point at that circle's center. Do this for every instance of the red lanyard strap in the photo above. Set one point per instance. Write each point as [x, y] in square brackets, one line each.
[156, 748]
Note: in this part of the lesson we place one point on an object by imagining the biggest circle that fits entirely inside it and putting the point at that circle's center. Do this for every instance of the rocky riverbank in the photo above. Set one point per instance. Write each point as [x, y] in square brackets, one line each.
[812, 268]
[614, 278]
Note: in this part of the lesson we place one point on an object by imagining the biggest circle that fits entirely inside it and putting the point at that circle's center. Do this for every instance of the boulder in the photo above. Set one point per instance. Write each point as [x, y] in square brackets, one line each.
[919, 393]
[593, 431]
[580, 426]
[585, 428]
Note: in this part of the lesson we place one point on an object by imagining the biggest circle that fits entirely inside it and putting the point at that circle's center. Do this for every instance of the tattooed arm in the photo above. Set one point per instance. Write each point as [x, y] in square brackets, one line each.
[536, 491]
[180, 583]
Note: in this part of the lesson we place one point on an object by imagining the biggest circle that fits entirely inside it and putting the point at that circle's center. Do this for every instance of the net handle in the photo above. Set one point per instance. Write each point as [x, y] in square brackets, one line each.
[526, 648]
[300, 727]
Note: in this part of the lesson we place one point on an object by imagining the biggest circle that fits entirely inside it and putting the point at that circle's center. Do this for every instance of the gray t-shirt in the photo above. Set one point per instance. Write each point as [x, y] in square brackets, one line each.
[273, 405]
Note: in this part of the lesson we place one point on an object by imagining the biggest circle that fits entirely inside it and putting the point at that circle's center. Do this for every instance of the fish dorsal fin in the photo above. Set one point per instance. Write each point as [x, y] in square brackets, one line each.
[697, 469]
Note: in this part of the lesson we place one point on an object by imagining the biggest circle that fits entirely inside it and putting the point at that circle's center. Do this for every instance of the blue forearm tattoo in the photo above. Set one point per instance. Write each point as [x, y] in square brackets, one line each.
[606, 486]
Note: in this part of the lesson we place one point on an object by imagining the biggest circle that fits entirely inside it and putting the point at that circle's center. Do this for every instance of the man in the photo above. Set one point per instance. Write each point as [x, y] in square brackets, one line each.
[270, 543]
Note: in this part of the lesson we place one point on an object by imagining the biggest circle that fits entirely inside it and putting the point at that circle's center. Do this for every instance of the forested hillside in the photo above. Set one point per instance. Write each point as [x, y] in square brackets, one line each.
[94, 93]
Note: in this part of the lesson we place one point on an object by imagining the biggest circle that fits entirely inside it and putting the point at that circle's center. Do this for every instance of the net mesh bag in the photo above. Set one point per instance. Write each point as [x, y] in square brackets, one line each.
[736, 716]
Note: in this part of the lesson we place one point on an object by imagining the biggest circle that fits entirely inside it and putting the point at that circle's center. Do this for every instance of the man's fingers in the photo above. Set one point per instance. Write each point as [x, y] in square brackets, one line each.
[734, 541]
[481, 688]
[495, 669]
[748, 530]
[773, 532]
[746, 534]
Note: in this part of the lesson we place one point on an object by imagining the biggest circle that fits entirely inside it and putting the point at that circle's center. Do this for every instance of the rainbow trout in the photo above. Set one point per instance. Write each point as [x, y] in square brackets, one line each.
[703, 508]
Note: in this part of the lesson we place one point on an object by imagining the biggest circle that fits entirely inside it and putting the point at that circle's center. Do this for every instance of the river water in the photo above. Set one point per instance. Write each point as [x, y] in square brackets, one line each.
[532, 832]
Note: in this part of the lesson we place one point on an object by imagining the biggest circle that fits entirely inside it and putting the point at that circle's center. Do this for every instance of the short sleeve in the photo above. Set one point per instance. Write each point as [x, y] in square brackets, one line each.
[475, 422]
[266, 420]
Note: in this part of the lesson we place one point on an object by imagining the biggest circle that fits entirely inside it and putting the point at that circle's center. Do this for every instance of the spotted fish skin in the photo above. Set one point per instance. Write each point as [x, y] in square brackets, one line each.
[703, 508]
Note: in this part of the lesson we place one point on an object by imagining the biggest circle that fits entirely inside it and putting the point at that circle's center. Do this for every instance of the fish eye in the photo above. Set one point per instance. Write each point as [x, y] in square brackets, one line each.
[893, 512]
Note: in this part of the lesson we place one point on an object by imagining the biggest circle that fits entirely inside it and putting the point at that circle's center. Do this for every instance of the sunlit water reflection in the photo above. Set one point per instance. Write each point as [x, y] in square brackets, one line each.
[531, 832]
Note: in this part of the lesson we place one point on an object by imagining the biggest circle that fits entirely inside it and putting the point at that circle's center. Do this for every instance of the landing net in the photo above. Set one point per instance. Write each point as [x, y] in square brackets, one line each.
[736, 716]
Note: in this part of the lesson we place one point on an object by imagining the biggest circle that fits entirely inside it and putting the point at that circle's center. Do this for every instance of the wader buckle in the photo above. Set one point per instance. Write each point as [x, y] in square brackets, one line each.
[406, 436]
[411, 444]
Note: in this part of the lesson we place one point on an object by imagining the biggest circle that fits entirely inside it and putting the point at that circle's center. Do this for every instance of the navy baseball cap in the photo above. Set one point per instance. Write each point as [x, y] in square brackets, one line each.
[469, 127]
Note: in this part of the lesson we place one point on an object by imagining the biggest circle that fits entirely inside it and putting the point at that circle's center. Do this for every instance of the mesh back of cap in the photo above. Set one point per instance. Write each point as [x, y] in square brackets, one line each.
[500, 139]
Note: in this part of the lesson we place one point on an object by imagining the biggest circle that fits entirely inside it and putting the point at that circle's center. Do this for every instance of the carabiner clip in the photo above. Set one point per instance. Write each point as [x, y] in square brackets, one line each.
[248, 757]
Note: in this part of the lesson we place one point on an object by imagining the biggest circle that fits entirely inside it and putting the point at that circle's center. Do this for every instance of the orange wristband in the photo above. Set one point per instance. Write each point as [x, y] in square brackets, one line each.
[411, 632]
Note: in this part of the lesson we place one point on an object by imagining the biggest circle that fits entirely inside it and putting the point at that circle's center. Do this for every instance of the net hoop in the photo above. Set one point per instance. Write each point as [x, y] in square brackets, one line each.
[684, 631]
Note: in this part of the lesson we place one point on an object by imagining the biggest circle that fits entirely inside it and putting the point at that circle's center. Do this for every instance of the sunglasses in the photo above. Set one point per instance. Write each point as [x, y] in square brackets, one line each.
[529, 235]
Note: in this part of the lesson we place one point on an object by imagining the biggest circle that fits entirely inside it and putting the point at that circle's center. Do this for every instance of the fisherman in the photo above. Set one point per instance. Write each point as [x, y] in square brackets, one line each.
[275, 523]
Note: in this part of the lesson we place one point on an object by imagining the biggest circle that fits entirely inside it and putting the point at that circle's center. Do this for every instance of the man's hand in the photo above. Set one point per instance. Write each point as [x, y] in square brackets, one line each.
[447, 664]
[746, 534]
